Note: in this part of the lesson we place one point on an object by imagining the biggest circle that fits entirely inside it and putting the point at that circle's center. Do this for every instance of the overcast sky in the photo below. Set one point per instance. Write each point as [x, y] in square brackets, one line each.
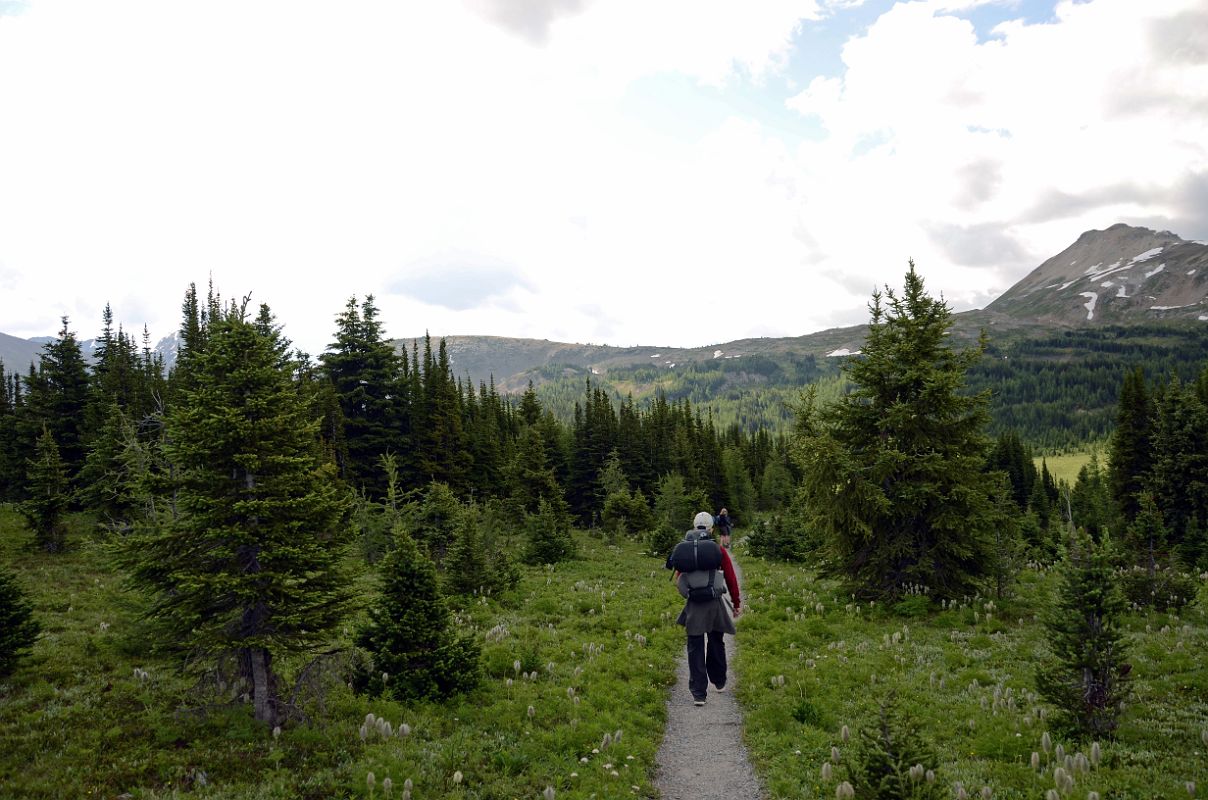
[670, 173]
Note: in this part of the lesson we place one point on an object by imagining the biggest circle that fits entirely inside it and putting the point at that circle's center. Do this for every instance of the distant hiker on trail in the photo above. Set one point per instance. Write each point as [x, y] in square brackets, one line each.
[724, 526]
[706, 613]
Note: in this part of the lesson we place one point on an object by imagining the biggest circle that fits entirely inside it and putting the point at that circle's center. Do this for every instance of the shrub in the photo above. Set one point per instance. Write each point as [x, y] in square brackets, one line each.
[781, 538]
[626, 512]
[1165, 589]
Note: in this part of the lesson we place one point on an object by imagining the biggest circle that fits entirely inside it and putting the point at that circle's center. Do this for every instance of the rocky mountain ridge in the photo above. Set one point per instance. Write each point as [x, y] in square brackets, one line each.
[1120, 275]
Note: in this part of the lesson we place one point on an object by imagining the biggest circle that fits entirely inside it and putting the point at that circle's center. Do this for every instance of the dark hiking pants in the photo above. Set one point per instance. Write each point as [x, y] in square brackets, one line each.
[705, 667]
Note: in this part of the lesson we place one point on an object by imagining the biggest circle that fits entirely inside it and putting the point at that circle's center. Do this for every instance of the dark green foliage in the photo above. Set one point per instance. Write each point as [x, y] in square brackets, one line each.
[662, 539]
[675, 506]
[1145, 538]
[1090, 503]
[48, 495]
[892, 472]
[627, 512]
[530, 476]
[881, 762]
[366, 374]
[18, 628]
[776, 486]
[740, 489]
[549, 536]
[1007, 550]
[781, 537]
[57, 397]
[1129, 456]
[433, 520]
[1178, 476]
[470, 566]
[12, 462]
[1163, 589]
[1087, 678]
[410, 632]
[249, 563]
[1010, 456]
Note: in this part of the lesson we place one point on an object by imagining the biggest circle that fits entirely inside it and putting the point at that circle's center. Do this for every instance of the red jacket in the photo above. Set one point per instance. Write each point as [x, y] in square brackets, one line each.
[727, 569]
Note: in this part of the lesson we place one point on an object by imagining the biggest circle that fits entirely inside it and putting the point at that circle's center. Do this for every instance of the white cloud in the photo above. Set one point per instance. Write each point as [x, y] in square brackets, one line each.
[307, 151]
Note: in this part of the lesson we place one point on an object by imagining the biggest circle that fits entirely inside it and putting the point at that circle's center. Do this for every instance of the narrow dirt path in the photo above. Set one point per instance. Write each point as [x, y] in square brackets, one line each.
[702, 756]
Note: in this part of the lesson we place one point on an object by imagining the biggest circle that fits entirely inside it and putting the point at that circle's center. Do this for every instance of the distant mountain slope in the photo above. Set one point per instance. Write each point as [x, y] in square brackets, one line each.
[18, 353]
[513, 362]
[1122, 275]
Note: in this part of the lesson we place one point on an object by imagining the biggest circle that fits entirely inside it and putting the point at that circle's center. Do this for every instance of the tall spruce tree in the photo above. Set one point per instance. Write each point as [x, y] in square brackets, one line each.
[892, 472]
[57, 398]
[367, 376]
[1129, 456]
[249, 565]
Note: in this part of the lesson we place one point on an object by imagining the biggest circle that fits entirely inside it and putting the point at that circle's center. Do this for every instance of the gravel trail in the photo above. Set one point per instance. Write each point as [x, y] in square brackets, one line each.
[702, 756]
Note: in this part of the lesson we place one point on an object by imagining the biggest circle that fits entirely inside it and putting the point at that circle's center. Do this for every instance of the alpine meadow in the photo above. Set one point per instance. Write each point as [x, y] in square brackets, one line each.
[255, 574]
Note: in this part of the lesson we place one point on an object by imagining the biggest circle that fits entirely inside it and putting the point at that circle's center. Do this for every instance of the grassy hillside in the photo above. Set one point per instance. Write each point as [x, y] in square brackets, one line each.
[78, 722]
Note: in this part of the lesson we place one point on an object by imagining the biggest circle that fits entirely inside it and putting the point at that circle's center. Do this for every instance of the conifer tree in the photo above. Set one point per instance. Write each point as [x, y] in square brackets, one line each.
[416, 652]
[48, 494]
[366, 374]
[57, 398]
[1129, 455]
[12, 466]
[1090, 500]
[549, 539]
[891, 758]
[1178, 476]
[467, 565]
[18, 627]
[1087, 679]
[249, 565]
[892, 472]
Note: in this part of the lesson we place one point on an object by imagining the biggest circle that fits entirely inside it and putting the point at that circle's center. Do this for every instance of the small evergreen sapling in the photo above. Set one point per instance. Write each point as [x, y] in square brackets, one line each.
[410, 632]
[550, 540]
[18, 628]
[1087, 679]
[892, 761]
[48, 494]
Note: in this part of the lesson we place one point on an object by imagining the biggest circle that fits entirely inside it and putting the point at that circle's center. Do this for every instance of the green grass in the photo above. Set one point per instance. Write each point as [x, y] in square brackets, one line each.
[946, 668]
[1065, 466]
[76, 722]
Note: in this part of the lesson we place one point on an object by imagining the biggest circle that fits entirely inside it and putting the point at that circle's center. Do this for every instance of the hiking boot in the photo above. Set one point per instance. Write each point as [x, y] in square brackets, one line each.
[700, 701]
[721, 688]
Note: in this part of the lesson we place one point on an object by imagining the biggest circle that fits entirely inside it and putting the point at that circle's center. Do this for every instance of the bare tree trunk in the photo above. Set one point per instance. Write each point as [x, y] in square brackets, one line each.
[264, 699]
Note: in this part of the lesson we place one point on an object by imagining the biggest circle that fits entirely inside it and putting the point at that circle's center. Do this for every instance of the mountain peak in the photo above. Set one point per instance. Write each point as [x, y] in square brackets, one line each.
[1120, 274]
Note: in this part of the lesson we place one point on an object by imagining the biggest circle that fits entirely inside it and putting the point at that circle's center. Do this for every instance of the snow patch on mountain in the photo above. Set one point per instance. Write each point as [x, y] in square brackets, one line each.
[1148, 254]
[1155, 270]
[1091, 299]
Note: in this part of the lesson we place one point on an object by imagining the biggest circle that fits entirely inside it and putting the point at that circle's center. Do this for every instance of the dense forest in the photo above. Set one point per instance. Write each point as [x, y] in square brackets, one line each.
[1056, 390]
[101, 423]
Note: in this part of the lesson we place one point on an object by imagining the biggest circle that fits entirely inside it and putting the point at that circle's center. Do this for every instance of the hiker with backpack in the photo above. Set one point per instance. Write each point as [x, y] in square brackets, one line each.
[724, 526]
[706, 616]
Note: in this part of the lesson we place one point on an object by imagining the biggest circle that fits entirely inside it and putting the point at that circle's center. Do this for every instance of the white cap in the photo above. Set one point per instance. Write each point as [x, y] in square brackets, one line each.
[703, 520]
